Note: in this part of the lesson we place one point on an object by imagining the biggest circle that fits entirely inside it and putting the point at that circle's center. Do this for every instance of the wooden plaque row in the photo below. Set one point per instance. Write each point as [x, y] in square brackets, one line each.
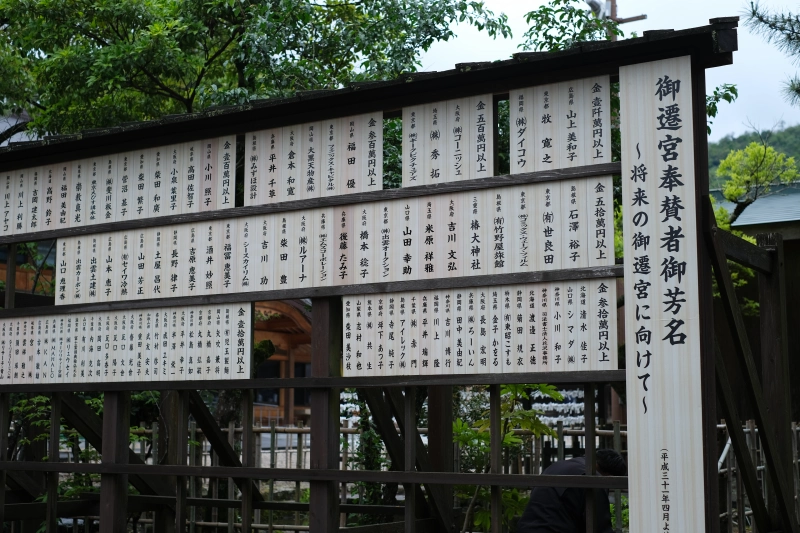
[535, 327]
[167, 344]
[170, 180]
[525, 228]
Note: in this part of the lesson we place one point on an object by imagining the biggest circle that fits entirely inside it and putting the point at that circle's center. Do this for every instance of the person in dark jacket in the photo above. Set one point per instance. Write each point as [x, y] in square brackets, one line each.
[563, 510]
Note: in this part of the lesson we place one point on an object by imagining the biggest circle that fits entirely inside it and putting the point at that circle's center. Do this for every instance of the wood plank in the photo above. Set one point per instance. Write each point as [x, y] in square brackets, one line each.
[775, 362]
[495, 457]
[399, 286]
[310, 203]
[573, 377]
[51, 512]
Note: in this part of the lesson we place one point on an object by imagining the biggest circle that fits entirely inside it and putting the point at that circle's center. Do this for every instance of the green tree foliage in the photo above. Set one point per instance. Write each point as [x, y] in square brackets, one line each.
[76, 64]
[562, 24]
[785, 140]
[782, 30]
[752, 172]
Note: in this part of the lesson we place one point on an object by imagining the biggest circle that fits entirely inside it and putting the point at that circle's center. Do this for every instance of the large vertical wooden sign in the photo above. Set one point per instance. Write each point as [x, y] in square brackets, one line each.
[662, 328]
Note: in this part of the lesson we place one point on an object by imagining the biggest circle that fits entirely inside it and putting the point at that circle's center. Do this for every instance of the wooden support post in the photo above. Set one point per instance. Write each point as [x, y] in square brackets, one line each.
[231, 513]
[775, 364]
[248, 459]
[326, 348]
[495, 457]
[589, 445]
[114, 487]
[4, 427]
[410, 459]
[52, 456]
[177, 449]
[617, 492]
[705, 300]
[440, 447]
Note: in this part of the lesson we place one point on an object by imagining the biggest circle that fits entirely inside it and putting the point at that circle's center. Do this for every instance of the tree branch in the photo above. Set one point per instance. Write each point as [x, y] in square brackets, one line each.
[13, 130]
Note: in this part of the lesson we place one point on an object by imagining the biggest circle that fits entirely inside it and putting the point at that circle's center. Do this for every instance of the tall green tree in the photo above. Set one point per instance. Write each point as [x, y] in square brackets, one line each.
[75, 64]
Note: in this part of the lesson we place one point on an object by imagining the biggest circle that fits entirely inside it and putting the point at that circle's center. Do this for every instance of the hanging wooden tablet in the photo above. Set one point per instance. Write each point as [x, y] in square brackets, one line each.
[9, 202]
[174, 178]
[508, 329]
[385, 254]
[226, 166]
[550, 249]
[254, 161]
[413, 168]
[467, 360]
[42, 351]
[413, 348]
[272, 167]
[229, 233]
[434, 142]
[358, 342]
[600, 220]
[285, 246]
[445, 364]
[483, 332]
[583, 353]
[303, 251]
[244, 341]
[481, 136]
[94, 192]
[380, 335]
[348, 337]
[181, 357]
[605, 303]
[211, 253]
[559, 322]
[81, 351]
[544, 327]
[366, 243]
[172, 339]
[521, 130]
[210, 175]
[410, 239]
[194, 349]
[571, 327]
[330, 178]
[292, 150]
[495, 330]
[249, 245]
[533, 333]
[502, 238]
[429, 262]
[192, 280]
[597, 117]
[139, 257]
[79, 269]
[109, 188]
[312, 152]
[519, 333]
[109, 276]
[157, 183]
[369, 342]
[325, 246]
[141, 192]
[572, 124]
[351, 154]
[372, 152]
[459, 150]
[216, 370]
[49, 198]
[476, 225]
[119, 347]
[192, 163]
[21, 207]
[344, 228]
[392, 336]
[455, 233]
[125, 186]
[546, 113]
[574, 224]
[444, 261]
[522, 254]
[425, 332]
[403, 338]
[459, 327]
[35, 199]
[26, 369]
[208, 353]
[5, 353]
[264, 244]
[93, 267]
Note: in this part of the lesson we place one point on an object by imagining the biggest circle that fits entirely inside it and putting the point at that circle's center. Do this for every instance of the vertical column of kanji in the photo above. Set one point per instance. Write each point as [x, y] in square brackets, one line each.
[357, 340]
[366, 243]
[49, 198]
[387, 255]
[434, 145]
[62, 273]
[407, 239]
[125, 264]
[372, 155]
[329, 174]
[508, 329]
[413, 158]
[7, 184]
[351, 154]
[663, 330]
[95, 191]
[210, 175]
[192, 168]
[304, 251]
[108, 270]
[545, 115]
[428, 230]
[456, 137]
[496, 329]
[370, 336]
[391, 344]
[21, 207]
[141, 193]
[157, 183]
[78, 260]
[253, 167]
[226, 165]
[124, 186]
[402, 357]
[109, 188]
[599, 190]
[175, 177]
[92, 267]
[519, 347]
[425, 331]
[531, 318]
[470, 333]
[521, 130]
[521, 223]
[229, 233]
[263, 253]
[449, 338]
[453, 233]
[481, 136]
[437, 328]
[380, 334]
[322, 222]
[284, 240]
[35, 180]
[312, 135]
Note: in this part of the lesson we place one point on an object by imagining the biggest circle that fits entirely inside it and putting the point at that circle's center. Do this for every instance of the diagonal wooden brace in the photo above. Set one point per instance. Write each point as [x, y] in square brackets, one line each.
[752, 388]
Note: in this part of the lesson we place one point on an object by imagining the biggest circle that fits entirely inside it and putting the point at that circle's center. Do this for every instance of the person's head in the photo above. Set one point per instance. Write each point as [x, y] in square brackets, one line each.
[610, 463]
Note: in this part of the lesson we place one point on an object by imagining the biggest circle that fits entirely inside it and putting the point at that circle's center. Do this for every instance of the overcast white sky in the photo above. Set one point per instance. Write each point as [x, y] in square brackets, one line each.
[759, 70]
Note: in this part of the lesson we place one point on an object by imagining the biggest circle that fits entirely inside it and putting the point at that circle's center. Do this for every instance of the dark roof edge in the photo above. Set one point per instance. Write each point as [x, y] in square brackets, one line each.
[712, 44]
